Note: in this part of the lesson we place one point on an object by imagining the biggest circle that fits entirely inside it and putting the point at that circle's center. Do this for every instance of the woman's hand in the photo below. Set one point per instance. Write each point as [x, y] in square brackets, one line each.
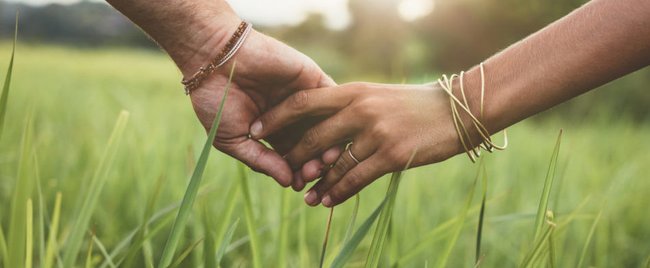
[386, 123]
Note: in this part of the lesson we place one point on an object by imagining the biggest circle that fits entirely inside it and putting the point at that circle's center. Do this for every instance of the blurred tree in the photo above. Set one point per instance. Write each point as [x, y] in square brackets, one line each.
[378, 45]
[82, 24]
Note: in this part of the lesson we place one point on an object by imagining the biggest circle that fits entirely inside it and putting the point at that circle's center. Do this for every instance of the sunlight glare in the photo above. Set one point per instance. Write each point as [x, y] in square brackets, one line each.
[410, 10]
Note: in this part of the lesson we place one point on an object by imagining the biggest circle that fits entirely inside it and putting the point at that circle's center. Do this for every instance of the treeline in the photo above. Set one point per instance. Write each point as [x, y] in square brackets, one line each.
[377, 46]
[81, 24]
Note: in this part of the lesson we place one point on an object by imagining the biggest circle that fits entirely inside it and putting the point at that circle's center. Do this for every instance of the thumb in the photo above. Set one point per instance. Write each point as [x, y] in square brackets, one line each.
[264, 160]
[326, 81]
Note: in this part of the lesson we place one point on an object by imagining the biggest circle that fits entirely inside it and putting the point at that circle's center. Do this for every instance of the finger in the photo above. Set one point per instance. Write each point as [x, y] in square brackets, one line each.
[298, 183]
[356, 179]
[332, 131]
[346, 162]
[330, 156]
[285, 139]
[312, 102]
[326, 81]
[262, 159]
[312, 170]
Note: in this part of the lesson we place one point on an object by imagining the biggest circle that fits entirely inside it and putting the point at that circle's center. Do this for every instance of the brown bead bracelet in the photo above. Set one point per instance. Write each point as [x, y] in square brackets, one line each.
[226, 53]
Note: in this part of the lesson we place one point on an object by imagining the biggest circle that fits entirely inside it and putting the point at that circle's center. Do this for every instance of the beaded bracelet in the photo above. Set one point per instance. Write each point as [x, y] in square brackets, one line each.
[226, 53]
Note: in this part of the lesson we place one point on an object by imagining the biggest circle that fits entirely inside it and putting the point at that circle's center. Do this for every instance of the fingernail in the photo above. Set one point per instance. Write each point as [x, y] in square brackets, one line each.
[298, 186]
[327, 201]
[256, 129]
[311, 198]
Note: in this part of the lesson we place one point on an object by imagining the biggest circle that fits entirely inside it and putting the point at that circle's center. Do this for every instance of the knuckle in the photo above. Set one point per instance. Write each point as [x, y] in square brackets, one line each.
[382, 129]
[311, 139]
[347, 187]
[357, 85]
[394, 158]
[353, 180]
[341, 167]
[337, 194]
[299, 100]
[269, 117]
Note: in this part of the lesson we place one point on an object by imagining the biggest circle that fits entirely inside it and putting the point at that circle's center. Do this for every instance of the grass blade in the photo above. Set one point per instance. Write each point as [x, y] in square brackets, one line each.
[41, 212]
[97, 183]
[185, 253]
[538, 245]
[459, 226]
[21, 193]
[193, 187]
[102, 249]
[210, 241]
[3, 246]
[327, 235]
[226, 241]
[353, 218]
[162, 216]
[149, 210]
[283, 235]
[585, 248]
[349, 247]
[548, 184]
[154, 230]
[302, 241]
[89, 254]
[5, 88]
[481, 219]
[250, 218]
[551, 251]
[29, 237]
[376, 247]
[51, 248]
[378, 240]
[222, 234]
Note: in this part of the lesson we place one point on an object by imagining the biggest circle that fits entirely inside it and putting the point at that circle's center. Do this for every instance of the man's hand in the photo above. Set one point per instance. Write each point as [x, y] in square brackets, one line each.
[193, 33]
[267, 71]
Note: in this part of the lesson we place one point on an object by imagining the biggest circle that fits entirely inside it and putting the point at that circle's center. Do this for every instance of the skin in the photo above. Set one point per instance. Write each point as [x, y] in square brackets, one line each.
[597, 43]
[267, 71]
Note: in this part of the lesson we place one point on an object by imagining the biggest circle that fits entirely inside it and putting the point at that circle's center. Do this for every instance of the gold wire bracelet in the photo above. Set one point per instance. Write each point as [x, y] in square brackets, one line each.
[446, 83]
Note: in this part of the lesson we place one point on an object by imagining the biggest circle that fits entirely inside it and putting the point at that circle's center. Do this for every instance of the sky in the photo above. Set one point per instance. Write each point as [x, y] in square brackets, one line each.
[292, 12]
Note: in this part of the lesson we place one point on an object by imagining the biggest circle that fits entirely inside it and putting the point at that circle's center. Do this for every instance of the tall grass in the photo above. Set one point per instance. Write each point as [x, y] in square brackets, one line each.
[430, 220]
[442, 262]
[89, 203]
[4, 96]
[193, 187]
[251, 226]
[21, 194]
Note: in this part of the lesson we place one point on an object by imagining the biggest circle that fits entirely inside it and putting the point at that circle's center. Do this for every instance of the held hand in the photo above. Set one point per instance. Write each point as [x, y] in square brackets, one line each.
[386, 123]
[267, 71]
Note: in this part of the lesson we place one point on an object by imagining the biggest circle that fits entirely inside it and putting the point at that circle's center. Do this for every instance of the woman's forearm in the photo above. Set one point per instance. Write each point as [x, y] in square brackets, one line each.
[191, 32]
[595, 44]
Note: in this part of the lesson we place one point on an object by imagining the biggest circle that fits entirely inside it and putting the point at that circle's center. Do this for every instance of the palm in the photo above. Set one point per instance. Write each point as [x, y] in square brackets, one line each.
[267, 71]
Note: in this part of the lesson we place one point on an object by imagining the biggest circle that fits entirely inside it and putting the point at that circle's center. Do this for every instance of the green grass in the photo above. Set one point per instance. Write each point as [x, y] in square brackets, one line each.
[62, 108]
[193, 187]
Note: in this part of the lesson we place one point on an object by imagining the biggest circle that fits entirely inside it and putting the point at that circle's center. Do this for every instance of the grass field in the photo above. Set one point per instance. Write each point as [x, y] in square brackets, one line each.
[71, 99]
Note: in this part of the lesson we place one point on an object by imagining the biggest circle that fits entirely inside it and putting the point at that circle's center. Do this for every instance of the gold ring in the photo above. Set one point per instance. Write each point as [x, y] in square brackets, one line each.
[352, 156]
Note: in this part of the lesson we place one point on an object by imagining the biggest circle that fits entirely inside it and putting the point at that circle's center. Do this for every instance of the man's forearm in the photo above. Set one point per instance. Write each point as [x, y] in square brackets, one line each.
[597, 43]
[191, 32]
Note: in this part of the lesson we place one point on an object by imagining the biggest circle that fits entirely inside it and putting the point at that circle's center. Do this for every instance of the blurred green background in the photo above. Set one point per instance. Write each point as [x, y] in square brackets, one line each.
[77, 66]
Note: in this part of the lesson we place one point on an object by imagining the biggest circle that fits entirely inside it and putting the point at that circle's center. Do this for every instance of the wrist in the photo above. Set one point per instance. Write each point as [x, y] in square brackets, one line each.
[483, 102]
[205, 44]
[479, 99]
[189, 32]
